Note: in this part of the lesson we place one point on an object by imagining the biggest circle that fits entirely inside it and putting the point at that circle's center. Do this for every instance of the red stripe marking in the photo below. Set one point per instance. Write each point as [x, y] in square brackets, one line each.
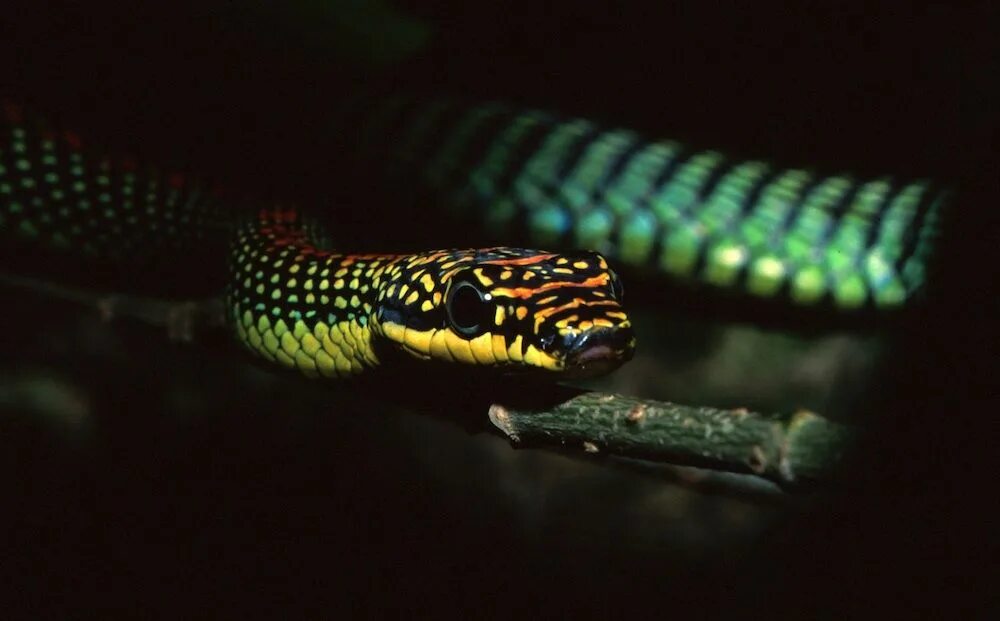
[538, 258]
[526, 292]
[73, 140]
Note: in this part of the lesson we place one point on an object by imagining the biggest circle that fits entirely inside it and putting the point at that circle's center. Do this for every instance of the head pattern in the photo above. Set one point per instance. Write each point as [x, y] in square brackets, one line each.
[507, 307]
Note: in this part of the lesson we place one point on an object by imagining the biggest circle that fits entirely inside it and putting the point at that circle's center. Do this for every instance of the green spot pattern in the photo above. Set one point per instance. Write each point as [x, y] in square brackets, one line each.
[55, 195]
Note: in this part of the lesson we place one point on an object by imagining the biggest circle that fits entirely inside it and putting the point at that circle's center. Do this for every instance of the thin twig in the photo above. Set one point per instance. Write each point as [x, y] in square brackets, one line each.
[796, 449]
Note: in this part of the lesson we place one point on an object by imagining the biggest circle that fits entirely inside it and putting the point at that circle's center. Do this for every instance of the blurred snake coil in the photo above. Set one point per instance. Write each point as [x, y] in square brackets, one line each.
[696, 216]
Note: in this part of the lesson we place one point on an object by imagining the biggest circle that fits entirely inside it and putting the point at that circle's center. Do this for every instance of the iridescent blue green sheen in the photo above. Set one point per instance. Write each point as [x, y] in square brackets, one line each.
[693, 215]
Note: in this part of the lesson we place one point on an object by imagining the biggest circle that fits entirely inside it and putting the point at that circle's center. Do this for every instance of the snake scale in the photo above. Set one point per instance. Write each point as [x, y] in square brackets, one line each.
[692, 215]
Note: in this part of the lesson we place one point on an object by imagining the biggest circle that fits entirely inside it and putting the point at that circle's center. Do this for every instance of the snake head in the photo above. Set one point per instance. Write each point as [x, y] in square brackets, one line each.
[515, 309]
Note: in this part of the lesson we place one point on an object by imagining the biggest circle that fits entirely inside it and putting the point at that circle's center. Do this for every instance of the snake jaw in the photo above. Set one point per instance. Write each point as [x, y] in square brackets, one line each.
[599, 351]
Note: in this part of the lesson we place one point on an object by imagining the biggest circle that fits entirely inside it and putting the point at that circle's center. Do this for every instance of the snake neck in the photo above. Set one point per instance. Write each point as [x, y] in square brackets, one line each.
[299, 305]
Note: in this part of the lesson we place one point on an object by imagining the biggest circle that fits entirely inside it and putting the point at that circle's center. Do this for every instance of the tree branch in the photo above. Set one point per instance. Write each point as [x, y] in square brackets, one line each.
[800, 448]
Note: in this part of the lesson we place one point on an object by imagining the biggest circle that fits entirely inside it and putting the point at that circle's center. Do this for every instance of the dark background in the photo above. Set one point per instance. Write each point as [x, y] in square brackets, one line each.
[255, 499]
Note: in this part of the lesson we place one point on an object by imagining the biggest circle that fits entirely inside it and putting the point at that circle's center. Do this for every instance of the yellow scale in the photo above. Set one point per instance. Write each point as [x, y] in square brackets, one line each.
[335, 352]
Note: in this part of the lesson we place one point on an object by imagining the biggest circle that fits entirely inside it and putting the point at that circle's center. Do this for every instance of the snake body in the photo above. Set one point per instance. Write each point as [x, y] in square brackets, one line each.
[696, 215]
[746, 226]
[298, 304]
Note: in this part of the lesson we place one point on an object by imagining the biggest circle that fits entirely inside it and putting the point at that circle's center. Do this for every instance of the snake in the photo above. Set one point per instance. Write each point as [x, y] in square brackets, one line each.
[696, 216]
[600, 195]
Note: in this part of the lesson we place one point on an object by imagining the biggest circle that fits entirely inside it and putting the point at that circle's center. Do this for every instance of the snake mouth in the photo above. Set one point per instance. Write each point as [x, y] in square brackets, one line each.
[597, 352]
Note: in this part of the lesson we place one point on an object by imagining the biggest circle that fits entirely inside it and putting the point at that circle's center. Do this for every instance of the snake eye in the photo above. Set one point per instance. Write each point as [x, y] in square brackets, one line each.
[617, 289]
[467, 308]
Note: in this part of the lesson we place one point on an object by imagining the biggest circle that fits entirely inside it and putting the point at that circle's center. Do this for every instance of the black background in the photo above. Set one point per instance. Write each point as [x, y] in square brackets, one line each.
[869, 86]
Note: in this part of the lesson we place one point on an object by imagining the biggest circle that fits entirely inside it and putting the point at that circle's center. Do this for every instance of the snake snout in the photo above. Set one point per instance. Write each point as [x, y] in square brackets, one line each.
[599, 350]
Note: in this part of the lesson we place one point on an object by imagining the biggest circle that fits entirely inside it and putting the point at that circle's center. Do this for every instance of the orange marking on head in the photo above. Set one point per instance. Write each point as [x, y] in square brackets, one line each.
[545, 313]
[526, 292]
[538, 258]
[551, 310]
